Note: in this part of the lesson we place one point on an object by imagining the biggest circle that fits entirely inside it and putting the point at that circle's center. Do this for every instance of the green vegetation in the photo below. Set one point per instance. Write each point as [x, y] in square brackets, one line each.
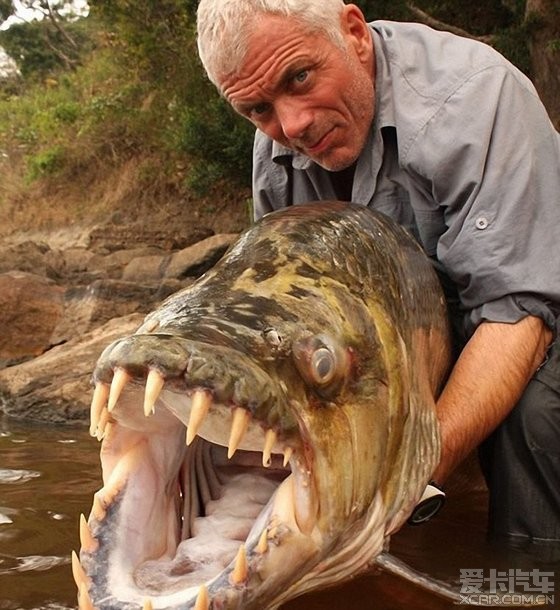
[135, 93]
[125, 84]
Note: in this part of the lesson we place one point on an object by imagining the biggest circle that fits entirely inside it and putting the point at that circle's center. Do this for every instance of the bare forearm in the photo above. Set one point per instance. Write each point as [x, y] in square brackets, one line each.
[486, 382]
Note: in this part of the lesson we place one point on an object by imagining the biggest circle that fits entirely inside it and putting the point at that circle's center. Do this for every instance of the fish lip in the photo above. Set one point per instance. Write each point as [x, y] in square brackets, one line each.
[231, 376]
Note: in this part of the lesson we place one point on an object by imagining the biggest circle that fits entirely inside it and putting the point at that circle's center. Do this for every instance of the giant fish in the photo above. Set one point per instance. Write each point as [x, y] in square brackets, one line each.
[269, 427]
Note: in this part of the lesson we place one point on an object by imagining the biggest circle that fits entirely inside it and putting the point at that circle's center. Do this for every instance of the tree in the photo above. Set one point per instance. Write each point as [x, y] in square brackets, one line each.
[544, 44]
[6, 9]
[46, 41]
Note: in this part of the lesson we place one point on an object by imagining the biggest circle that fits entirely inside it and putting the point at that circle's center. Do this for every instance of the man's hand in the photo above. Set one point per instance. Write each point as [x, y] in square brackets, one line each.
[485, 384]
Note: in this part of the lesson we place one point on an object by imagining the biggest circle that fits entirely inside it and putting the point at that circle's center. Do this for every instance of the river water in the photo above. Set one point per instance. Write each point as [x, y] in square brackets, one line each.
[49, 474]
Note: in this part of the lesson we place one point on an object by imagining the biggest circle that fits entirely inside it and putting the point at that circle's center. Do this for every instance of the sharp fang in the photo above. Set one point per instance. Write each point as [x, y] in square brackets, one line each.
[147, 605]
[154, 383]
[200, 405]
[120, 379]
[287, 455]
[241, 569]
[98, 402]
[305, 499]
[84, 601]
[78, 572]
[270, 439]
[98, 508]
[262, 545]
[202, 600]
[121, 472]
[101, 424]
[239, 426]
[88, 542]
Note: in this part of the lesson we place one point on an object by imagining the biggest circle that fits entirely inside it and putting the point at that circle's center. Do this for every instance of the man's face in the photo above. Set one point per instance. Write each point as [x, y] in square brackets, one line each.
[304, 91]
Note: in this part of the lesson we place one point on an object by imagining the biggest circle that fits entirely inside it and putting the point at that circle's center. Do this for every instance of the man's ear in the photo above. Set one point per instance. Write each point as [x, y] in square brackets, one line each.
[357, 33]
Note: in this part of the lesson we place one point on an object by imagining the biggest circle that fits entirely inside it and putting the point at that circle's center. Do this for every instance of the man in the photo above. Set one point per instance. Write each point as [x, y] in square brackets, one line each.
[448, 138]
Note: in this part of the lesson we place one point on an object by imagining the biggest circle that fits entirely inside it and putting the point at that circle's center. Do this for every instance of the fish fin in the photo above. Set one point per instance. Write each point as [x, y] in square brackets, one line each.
[398, 567]
[401, 569]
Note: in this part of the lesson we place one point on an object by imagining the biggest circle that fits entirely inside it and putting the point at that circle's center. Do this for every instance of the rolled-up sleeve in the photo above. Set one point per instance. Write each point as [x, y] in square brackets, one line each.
[494, 168]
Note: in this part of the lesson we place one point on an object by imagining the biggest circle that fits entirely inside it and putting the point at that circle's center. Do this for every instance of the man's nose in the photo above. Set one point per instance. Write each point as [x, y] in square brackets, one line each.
[294, 118]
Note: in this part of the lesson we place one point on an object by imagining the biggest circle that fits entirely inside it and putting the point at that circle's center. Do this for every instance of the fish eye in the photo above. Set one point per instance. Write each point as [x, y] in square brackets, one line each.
[323, 365]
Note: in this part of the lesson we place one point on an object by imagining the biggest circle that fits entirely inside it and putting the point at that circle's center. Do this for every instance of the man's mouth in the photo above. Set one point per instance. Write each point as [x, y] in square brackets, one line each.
[317, 146]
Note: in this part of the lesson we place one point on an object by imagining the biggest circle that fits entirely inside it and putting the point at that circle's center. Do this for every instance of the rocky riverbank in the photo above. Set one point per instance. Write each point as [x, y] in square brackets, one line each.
[64, 296]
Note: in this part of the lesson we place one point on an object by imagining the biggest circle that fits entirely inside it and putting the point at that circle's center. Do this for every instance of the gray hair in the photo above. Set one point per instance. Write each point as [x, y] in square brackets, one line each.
[224, 27]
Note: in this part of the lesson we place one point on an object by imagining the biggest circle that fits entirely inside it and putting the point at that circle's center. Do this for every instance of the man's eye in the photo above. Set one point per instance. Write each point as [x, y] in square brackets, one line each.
[301, 77]
[260, 109]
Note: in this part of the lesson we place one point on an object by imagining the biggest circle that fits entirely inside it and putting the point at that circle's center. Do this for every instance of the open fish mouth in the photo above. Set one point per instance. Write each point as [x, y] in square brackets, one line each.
[200, 491]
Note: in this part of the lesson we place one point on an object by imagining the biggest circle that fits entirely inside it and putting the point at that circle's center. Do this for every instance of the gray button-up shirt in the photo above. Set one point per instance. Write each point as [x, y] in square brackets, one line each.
[461, 152]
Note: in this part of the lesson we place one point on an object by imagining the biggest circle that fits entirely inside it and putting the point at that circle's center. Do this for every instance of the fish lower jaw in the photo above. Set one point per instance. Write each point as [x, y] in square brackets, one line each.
[212, 564]
[221, 547]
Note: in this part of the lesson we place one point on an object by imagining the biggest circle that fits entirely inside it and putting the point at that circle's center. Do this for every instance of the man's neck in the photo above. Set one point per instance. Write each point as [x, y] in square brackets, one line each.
[342, 182]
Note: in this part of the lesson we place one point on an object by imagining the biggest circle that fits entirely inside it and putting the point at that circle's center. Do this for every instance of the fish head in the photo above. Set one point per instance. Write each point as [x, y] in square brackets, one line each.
[268, 427]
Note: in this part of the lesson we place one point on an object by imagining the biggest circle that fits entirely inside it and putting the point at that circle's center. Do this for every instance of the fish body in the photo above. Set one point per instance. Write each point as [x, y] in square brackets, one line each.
[267, 428]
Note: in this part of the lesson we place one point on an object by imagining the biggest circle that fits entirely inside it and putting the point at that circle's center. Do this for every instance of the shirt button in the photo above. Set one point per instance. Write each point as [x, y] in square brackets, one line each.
[481, 222]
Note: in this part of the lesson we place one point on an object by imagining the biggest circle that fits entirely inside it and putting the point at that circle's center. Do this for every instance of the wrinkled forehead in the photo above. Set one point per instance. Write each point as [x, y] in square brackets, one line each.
[271, 40]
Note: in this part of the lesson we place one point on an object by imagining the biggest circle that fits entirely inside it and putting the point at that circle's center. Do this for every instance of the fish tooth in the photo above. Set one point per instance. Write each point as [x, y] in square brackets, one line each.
[84, 600]
[154, 384]
[241, 568]
[102, 424]
[98, 508]
[78, 571]
[262, 544]
[98, 402]
[200, 405]
[88, 542]
[116, 480]
[270, 439]
[239, 426]
[202, 599]
[147, 605]
[120, 379]
[305, 499]
[288, 451]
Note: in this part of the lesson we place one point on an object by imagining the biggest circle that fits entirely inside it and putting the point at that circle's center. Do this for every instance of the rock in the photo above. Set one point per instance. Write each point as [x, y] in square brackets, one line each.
[112, 265]
[56, 386]
[112, 237]
[60, 306]
[146, 268]
[86, 307]
[26, 256]
[77, 261]
[30, 308]
[197, 259]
